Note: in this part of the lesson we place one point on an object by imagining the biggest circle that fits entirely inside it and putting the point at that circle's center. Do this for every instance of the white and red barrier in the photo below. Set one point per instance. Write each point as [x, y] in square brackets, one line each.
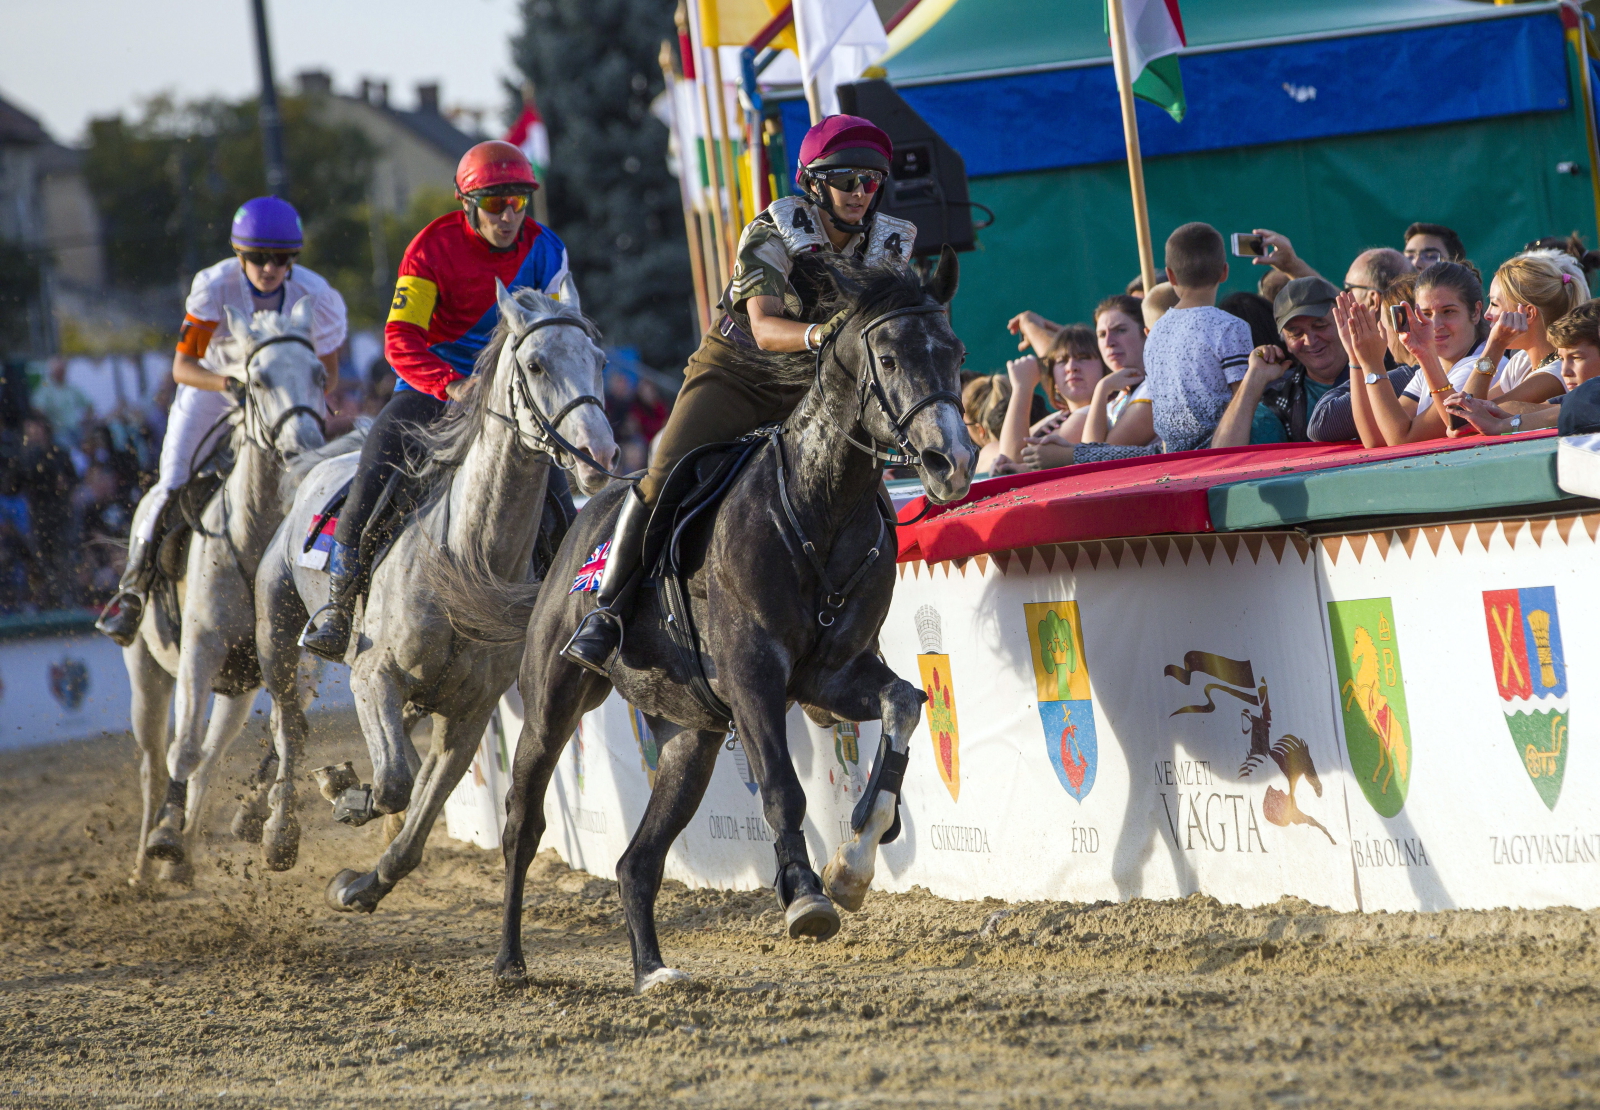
[1151, 718]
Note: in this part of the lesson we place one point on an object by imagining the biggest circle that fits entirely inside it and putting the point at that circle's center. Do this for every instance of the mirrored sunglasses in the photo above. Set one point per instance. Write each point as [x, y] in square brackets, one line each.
[848, 180]
[269, 258]
[494, 205]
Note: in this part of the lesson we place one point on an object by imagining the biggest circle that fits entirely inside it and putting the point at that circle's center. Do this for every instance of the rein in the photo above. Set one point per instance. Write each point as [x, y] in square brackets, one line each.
[549, 441]
[252, 407]
[870, 385]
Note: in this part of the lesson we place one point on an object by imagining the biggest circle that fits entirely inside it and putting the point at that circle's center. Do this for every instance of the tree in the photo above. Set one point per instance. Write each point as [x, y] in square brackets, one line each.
[167, 186]
[611, 198]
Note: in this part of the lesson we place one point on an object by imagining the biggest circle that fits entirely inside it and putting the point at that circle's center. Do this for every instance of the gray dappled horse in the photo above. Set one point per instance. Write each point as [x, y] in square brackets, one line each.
[770, 582]
[280, 415]
[441, 630]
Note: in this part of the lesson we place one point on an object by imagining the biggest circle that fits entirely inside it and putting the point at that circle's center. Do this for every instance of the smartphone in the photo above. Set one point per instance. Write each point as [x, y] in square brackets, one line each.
[1400, 317]
[1246, 245]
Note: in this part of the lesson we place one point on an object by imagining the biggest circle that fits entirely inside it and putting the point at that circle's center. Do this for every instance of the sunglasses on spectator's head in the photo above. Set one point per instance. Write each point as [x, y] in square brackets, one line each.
[848, 180]
[269, 258]
[494, 205]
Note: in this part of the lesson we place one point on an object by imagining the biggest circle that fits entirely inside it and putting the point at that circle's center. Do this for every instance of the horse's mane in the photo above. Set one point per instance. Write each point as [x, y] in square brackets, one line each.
[445, 442]
[836, 284]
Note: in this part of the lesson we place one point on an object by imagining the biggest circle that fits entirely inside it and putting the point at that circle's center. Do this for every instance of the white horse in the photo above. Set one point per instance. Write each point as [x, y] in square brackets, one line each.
[281, 414]
[442, 629]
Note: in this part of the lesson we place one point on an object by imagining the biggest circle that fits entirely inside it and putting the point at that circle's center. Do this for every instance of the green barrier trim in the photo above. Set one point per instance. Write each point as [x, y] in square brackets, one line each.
[1488, 477]
[64, 622]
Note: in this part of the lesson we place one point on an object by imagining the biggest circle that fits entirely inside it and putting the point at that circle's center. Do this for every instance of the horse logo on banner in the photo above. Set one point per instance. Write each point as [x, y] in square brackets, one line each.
[1062, 674]
[1372, 698]
[1531, 673]
[1289, 752]
[937, 683]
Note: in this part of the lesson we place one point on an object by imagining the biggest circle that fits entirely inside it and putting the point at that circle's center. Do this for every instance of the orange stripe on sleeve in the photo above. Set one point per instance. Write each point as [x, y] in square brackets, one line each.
[195, 336]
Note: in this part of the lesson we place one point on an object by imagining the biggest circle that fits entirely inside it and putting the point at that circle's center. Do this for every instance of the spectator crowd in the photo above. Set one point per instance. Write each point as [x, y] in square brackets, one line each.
[1412, 347]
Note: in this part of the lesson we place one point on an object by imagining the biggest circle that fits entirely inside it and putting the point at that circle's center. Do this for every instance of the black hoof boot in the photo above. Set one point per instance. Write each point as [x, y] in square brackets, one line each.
[355, 892]
[121, 618]
[809, 912]
[596, 639]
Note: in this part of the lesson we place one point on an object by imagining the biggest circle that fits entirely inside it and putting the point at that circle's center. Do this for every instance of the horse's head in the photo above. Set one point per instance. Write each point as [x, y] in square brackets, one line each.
[272, 356]
[907, 362]
[550, 358]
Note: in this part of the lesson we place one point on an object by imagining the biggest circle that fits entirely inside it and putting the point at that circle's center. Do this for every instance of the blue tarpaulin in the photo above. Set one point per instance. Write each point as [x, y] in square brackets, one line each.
[1280, 92]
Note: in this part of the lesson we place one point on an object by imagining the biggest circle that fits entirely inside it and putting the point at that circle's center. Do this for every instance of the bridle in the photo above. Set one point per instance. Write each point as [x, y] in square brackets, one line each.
[254, 420]
[871, 386]
[549, 441]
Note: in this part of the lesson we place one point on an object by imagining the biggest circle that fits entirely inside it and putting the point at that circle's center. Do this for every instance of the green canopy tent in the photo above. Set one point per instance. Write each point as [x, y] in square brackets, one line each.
[1335, 122]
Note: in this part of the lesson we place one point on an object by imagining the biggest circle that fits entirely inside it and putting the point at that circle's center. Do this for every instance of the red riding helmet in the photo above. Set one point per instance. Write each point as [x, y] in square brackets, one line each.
[844, 141]
[493, 163]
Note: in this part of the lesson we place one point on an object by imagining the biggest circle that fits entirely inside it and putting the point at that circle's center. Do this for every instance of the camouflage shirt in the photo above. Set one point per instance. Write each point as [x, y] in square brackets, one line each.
[793, 226]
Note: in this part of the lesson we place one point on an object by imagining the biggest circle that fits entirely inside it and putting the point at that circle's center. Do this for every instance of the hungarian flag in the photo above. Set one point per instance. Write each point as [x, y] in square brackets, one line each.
[529, 135]
[1154, 33]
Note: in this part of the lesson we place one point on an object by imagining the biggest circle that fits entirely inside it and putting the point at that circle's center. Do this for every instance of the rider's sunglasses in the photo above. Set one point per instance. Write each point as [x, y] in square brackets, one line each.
[494, 205]
[269, 258]
[848, 180]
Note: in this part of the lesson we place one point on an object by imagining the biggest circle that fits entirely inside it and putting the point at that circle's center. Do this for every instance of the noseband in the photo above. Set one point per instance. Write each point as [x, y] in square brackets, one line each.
[253, 407]
[871, 386]
[549, 441]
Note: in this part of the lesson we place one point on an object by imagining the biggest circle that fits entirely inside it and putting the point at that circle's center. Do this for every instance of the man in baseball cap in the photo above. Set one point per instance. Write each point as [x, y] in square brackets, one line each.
[1282, 385]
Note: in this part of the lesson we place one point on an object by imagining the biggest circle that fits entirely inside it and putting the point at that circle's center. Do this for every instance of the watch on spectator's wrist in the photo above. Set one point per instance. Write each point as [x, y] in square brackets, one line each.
[1372, 379]
[1483, 366]
[1515, 423]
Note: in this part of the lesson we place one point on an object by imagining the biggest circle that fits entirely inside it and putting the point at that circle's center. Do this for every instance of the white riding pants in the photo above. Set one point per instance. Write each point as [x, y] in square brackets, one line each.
[194, 413]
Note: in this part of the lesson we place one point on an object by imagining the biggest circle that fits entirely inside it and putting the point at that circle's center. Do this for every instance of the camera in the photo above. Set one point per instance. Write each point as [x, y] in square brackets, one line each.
[1246, 245]
[1400, 317]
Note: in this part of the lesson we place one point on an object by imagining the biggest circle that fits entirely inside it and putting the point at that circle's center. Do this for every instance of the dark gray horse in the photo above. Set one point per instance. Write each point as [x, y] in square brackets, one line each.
[765, 580]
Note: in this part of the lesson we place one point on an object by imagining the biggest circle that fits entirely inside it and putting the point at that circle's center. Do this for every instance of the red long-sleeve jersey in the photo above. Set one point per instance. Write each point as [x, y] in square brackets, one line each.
[444, 301]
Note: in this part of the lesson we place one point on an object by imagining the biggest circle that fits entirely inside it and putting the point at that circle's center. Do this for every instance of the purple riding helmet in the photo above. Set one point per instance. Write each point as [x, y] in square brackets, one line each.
[266, 224]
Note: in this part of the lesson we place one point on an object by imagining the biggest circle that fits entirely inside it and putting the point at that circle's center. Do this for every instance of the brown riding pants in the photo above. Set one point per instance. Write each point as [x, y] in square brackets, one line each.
[717, 403]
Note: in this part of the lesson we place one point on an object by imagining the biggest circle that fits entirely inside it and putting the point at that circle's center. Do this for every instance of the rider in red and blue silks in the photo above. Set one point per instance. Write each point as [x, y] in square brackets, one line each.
[443, 312]
[842, 162]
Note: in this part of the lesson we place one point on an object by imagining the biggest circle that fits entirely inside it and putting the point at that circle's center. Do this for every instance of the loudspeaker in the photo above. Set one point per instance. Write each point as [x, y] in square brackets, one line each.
[928, 179]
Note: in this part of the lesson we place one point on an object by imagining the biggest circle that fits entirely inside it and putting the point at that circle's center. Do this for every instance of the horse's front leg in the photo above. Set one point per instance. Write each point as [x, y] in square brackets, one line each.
[865, 690]
[755, 689]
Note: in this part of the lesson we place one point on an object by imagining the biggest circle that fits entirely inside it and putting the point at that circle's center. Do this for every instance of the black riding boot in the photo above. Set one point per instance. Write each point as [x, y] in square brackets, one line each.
[332, 640]
[600, 632]
[120, 619]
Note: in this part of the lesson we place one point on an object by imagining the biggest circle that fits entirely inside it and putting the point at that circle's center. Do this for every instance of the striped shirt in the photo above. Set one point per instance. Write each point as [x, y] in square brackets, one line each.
[1191, 357]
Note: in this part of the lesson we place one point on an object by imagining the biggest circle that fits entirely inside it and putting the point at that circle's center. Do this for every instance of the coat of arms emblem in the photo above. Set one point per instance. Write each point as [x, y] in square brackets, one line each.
[1530, 671]
[1372, 699]
[1061, 673]
[937, 683]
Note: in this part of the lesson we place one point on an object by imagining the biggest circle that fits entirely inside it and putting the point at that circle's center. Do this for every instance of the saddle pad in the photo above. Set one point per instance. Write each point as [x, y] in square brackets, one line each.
[318, 543]
[593, 569]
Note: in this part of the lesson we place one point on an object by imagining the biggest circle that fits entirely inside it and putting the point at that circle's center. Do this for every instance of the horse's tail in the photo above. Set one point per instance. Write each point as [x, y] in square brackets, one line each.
[296, 469]
[481, 605]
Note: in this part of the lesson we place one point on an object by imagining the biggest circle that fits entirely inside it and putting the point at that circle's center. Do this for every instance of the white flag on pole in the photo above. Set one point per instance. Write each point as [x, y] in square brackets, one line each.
[838, 40]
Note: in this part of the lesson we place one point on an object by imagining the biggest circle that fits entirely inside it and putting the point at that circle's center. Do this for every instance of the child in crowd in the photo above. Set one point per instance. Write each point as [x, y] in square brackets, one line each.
[1196, 354]
[1577, 341]
[1161, 299]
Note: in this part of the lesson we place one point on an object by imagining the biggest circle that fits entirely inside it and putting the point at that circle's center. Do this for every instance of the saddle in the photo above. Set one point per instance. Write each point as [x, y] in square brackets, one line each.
[689, 497]
[396, 503]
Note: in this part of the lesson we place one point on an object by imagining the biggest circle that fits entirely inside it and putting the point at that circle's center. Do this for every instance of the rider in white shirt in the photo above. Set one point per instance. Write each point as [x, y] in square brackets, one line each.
[263, 276]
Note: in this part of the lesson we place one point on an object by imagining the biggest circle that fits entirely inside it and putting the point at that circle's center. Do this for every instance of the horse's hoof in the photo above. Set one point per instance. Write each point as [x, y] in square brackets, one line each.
[248, 821]
[811, 915]
[176, 872]
[354, 807]
[664, 977]
[352, 891]
[335, 779]
[165, 844]
[511, 975]
[280, 843]
[847, 889]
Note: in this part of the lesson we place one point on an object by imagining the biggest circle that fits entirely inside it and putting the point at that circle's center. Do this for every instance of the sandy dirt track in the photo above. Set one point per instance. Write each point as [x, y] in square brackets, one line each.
[247, 991]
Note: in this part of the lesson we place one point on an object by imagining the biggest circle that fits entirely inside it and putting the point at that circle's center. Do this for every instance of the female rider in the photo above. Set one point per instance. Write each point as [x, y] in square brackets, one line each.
[843, 162]
[262, 276]
[443, 312]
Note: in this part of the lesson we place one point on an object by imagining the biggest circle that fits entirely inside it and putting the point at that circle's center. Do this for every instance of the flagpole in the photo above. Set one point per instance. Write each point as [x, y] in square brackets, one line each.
[541, 203]
[713, 170]
[690, 228]
[736, 211]
[1130, 135]
[1582, 44]
[813, 97]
